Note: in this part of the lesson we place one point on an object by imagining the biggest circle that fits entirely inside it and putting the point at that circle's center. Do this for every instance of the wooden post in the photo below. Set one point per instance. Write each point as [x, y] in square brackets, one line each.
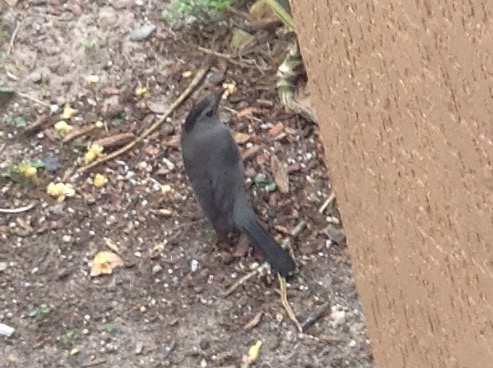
[403, 91]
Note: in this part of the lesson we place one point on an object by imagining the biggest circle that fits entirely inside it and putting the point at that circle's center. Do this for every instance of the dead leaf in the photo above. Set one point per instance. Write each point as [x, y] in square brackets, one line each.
[241, 247]
[158, 105]
[240, 38]
[284, 230]
[104, 262]
[280, 174]
[249, 111]
[276, 130]
[242, 138]
[253, 322]
[251, 152]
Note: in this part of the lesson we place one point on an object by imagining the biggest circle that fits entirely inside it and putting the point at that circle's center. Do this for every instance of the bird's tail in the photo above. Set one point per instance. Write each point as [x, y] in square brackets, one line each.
[248, 223]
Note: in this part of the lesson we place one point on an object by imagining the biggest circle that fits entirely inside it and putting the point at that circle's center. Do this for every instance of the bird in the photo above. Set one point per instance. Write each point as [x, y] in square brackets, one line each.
[215, 170]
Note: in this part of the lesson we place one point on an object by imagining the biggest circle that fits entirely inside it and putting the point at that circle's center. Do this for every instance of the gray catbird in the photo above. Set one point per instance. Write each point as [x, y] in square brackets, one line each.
[215, 170]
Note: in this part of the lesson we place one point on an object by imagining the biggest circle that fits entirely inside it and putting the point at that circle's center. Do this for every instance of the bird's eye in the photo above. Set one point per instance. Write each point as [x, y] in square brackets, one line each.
[210, 113]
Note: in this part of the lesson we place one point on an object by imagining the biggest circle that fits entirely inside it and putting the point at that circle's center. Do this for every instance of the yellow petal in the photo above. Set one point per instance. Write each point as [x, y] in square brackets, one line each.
[104, 262]
[230, 88]
[99, 124]
[254, 352]
[62, 127]
[241, 138]
[187, 74]
[141, 91]
[30, 172]
[100, 180]
[92, 80]
[60, 190]
[93, 152]
[68, 112]
[89, 157]
[167, 189]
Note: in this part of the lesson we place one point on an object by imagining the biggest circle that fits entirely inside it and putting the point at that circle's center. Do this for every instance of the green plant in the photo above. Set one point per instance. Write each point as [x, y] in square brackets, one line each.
[19, 122]
[109, 328]
[180, 9]
[68, 338]
[40, 311]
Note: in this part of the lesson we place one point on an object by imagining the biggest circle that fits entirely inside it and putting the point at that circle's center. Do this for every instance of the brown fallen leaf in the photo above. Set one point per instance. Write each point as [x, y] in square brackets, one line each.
[280, 174]
[116, 140]
[241, 247]
[241, 138]
[276, 130]
[251, 152]
[104, 262]
[249, 111]
[253, 322]
[284, 230]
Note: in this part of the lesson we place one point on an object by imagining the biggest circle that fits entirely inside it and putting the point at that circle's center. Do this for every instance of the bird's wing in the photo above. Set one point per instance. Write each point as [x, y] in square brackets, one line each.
[216, 173]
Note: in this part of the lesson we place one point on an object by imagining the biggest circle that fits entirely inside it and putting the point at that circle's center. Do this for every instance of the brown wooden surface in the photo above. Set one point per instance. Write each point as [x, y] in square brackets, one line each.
[404, 96]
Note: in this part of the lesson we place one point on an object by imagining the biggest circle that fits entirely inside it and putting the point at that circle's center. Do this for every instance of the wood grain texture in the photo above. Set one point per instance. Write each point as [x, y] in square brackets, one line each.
[404, 96]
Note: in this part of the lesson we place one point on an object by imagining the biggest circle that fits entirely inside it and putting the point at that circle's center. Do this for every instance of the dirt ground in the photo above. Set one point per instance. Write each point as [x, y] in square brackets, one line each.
[167, 307]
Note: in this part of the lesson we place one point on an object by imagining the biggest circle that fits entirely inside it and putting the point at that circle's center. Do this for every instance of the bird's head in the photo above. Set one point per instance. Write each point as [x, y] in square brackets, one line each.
[205, 112]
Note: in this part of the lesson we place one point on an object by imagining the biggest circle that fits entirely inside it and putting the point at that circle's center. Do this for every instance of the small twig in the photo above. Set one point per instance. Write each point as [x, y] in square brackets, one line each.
[14, 35]
[319, 313]
[214, 53]
[193, 84]
[94, 363]
[286, 244]
[25, 95]
[77, 133]
[327, 202]
[169, 349]
[17, 210]
[263, 267]
[285, 303]
[231, 58]
[37, 125]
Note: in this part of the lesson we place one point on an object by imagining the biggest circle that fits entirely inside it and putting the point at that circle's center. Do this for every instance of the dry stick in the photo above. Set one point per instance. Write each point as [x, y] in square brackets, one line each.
[193, 84]
[12, 39]
[25, 95]
[77, 133]
[318, 314]
[285, 303]
[328, 201]
[17, 210]
[264, 266]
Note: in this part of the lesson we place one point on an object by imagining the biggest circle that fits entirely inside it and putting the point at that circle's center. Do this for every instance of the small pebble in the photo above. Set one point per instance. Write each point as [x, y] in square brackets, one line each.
[156, 269]
[194, 265]
[143, 32]
[3, 266]
[6, 330]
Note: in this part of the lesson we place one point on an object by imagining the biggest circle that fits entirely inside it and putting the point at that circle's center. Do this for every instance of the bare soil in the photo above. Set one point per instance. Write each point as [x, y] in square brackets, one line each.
[167, 308]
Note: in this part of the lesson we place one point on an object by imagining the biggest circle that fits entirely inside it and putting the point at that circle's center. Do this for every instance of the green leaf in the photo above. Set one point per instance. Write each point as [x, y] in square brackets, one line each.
[259, 178]
[38, 164]
[20, 122]
[271, 187]
[40, 311]
[109, 327]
